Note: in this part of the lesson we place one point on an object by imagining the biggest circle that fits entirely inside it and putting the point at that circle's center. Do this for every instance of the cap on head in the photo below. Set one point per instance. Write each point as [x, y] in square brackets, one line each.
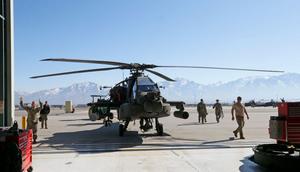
[217, 100]
[201, 100]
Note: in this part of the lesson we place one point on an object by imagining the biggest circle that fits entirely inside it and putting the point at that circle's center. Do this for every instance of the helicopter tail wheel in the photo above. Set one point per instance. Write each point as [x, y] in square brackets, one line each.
[121, 130]
[160, 129]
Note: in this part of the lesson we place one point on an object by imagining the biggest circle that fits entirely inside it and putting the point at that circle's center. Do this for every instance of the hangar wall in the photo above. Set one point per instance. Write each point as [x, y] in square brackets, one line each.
[7, 63]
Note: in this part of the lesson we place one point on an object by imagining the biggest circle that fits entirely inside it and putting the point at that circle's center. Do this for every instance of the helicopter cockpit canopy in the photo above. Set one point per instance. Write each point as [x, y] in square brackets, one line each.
[145, 84]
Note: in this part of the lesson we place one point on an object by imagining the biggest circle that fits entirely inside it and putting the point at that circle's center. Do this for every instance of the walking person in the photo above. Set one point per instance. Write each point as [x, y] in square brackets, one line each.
[218, 110]
[239, 110]
[202, 112]
[44, 115]
[32, 119]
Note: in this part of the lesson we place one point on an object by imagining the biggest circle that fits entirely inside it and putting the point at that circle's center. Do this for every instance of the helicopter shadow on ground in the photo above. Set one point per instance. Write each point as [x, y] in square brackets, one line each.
[187, 139]
[217, 141]
[102, 139]
[196, 123]
[250, 166]
[85, 124]
[145, 135]
[70, 120]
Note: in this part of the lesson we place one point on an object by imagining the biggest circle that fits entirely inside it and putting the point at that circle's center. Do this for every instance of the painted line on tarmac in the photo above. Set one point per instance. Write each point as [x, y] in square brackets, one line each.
[139, 148]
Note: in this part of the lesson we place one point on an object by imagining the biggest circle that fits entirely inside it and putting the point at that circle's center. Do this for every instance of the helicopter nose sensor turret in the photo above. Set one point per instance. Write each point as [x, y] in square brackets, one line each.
[151, 101]
[152, 96]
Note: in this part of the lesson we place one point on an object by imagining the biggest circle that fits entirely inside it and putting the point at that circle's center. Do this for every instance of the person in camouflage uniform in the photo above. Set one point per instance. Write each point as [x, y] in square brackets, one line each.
[44, 115]
[32, 119]
[218, 110]
[202, 112]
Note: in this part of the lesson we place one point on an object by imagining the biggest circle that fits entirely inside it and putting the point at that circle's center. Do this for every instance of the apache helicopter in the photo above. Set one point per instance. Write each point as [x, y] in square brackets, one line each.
[262, 103]
[138, 96]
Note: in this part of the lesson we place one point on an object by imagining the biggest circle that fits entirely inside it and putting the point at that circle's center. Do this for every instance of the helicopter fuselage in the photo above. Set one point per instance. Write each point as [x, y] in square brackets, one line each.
[143, 100]
[137, 111]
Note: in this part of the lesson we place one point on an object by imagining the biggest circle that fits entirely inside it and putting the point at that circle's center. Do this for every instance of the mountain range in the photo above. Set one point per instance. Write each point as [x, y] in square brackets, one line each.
[258, 88]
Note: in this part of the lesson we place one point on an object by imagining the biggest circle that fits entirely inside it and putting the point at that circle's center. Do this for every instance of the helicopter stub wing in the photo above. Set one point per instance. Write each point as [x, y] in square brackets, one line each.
[180, 113]
[174, 103]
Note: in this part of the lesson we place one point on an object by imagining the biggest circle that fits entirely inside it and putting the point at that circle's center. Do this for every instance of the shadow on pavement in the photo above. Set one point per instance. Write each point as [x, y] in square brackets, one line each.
[70, 120]
[217, 141]
[187, 139]
[96, 139]
[196, 123]
[145, 135]
[250, 166]
[107, 139]
[85, 124]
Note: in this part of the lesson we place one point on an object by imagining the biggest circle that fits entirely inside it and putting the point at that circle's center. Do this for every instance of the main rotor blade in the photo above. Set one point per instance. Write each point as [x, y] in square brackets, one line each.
[223, 68]
[86, 61]
[160, 75]
[73, 72]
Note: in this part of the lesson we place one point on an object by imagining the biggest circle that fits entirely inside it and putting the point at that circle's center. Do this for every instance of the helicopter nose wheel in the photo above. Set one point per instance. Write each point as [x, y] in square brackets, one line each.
[121, 130]
[159, 127]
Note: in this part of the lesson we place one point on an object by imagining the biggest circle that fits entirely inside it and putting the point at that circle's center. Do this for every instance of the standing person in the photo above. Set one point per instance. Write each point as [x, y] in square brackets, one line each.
[202, 112]
[44, 115]
[218, 110]
[32, 119]
[239, 110]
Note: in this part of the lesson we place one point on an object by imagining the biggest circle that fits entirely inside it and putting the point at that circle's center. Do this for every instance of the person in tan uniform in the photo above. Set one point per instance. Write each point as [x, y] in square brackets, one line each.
[218, 110]
[32, 119]
[202, 112]
[239, 110]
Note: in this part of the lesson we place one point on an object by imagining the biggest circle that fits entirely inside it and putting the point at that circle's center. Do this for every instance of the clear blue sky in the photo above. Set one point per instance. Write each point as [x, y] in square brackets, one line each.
[230, 33]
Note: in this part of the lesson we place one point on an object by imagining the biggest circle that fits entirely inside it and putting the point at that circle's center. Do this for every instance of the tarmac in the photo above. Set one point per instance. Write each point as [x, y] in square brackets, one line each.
[74, 143]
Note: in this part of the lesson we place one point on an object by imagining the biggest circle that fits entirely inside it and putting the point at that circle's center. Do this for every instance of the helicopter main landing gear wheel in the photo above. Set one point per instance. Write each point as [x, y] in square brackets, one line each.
[159, 127]
[123, 128]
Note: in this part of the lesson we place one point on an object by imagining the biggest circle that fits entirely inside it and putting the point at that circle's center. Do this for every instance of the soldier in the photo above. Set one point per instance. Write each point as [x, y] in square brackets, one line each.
[202, 112]
[44, 115]
[32, 119]
[239, 110]
[218, 110]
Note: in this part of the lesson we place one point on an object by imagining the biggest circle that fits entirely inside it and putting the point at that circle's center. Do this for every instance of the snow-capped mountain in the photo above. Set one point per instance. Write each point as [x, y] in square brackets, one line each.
[267, 88]
[79, 93]
[182, 89]
[271, 87]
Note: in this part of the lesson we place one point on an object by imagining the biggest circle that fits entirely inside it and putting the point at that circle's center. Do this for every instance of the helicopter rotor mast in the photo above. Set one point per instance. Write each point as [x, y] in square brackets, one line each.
[137, 69]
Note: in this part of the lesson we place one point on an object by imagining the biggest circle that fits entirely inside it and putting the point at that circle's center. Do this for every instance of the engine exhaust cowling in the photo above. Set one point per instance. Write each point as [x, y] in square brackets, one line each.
[181, 114]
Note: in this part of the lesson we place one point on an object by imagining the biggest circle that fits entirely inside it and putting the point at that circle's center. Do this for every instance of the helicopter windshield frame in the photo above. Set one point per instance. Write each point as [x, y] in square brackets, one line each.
[144, 84]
